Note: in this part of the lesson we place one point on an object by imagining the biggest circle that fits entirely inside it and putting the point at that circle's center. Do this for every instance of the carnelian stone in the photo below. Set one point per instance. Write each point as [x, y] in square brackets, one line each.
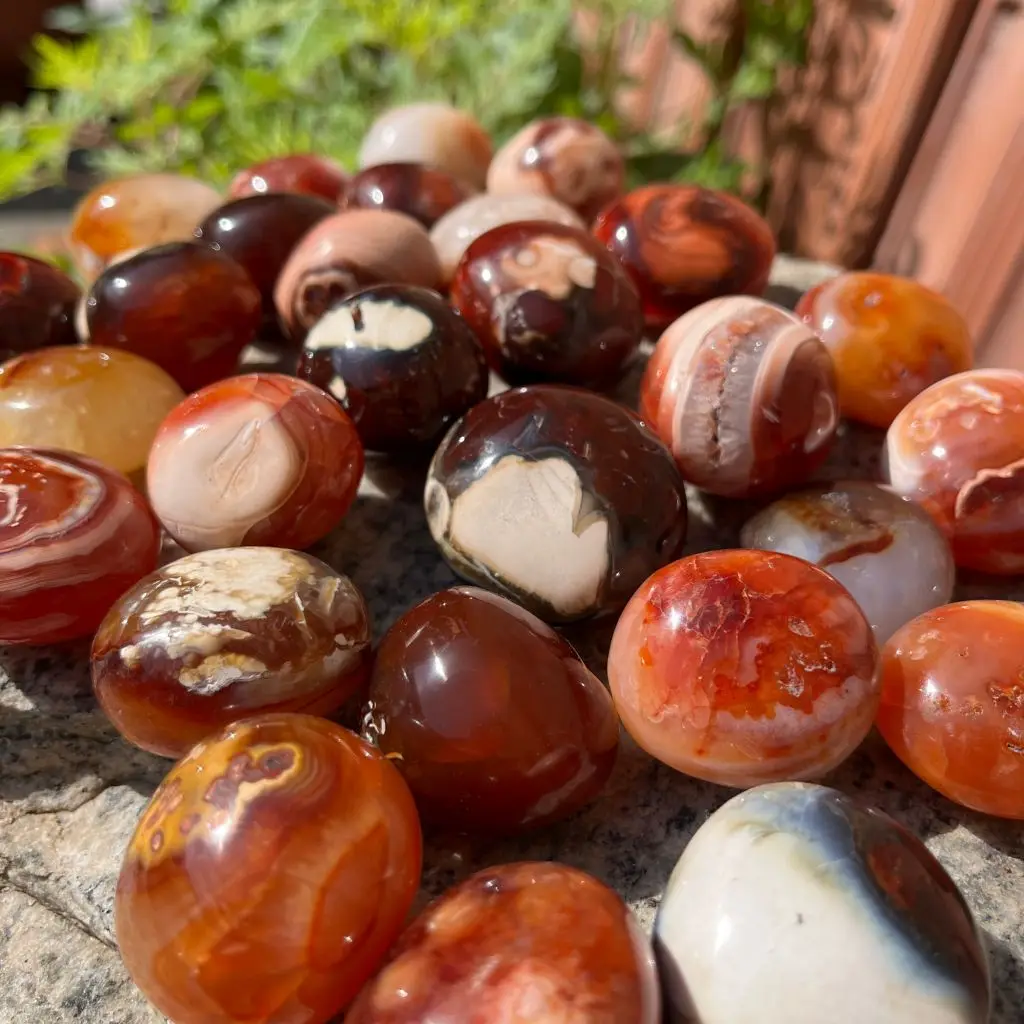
[189, 309]
[73, 536]
[744, 395]
[744, 667]
[549, 304]
[683, 245]
[259, 233]
[226, 634]
[37, 305]
[424, 193]
[304, 173]
[958, 449]
[890, 338]
[953, 703]
[104, 404]
[538, 943]
[260, 458]
[495, 722]
[133, 213]
[268, 875]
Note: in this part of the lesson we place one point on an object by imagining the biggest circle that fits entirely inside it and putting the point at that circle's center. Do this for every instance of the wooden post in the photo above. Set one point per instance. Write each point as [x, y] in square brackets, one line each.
[958, 225]
[849, 123]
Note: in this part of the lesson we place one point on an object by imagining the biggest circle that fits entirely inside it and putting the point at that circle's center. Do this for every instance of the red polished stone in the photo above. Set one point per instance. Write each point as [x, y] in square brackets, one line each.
[958, 449]
[401, 361]
[226, 634]
[37, 305]
[491, 716]
[744, 667]
[424, 193]
[953, 703]
[536, 943]
[890, 338]
[259, 233]
[300, 172]
[268, 875]
[74, 535]
[183, 306]
[683, 245]
[744, 395]
[259, 459]
[548, 303]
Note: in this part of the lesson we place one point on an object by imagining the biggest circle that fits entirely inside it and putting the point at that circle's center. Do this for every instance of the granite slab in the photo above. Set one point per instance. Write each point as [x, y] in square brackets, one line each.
[71, 789]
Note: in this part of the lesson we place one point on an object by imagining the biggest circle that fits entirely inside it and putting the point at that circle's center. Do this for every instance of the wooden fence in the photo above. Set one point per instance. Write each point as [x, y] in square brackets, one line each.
[900, 145]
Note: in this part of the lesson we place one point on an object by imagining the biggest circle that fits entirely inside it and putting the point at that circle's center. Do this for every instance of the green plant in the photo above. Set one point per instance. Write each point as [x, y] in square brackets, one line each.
[207, 86]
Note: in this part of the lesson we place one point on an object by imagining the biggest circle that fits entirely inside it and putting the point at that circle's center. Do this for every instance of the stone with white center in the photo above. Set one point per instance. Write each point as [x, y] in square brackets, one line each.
[557, 498]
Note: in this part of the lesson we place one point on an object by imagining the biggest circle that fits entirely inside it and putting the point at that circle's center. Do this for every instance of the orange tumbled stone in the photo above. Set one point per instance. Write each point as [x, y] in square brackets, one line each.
[134, 213]
[745, 667]
[268, 876]
[958, 450]
[518, 943]
[953, 703]
[890, 338]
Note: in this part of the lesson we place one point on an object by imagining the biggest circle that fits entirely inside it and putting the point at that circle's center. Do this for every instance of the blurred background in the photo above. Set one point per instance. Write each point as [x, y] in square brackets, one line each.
[885, 133]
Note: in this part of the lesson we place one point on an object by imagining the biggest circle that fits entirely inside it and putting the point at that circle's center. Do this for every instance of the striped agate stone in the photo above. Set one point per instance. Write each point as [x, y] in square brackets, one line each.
[268, 875]
[74, 535]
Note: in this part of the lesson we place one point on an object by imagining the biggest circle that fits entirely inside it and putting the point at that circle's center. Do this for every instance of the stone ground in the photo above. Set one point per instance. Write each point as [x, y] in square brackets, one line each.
[71, 789]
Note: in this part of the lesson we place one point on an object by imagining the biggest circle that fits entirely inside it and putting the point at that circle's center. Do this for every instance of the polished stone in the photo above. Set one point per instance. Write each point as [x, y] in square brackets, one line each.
[71, 789]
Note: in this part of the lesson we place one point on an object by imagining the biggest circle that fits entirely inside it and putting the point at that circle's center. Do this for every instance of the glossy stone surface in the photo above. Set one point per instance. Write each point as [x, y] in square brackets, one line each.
[37, 305]
[958, 449]
[890, 338]
[744, 667]
[226, 634]
[953, 703]
[104, 404]
[788, 892]
[744, 395]
[456, 230]
[136, 213]
[401, 362]
[346, 252]
[886, 550]
[434, 134]
[183, 306]
[684, 245]
[259, 233]
[548, 303]
[259, 459]
[543, 943]
[491, 716]
[424, 193]
[558, 498]
[73, 535]
[564, 157]
[268, 875]
[302, 173]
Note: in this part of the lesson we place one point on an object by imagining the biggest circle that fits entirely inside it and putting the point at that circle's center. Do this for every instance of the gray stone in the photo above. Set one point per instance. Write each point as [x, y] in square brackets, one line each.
[71, 789]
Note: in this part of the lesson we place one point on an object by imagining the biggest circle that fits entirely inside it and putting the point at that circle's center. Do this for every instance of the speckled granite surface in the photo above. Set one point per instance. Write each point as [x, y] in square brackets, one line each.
[71, 790]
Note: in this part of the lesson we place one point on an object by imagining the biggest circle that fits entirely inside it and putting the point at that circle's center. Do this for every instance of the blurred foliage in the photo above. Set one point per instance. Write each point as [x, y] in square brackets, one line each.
[205, 87]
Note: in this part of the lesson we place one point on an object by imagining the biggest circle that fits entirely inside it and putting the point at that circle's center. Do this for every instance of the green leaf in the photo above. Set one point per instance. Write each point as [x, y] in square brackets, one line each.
[752, 82]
